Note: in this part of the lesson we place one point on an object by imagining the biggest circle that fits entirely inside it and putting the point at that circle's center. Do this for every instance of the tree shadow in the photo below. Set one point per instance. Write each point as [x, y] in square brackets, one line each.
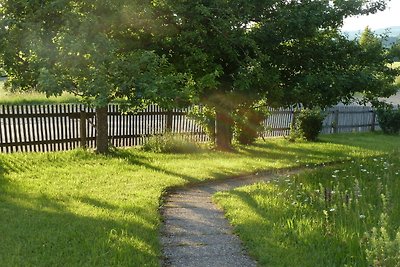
[37, 230]
[143, 161]
[279, 152]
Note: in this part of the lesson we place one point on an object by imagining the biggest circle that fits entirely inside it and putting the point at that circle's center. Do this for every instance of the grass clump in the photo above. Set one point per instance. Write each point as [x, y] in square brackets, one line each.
[170, 143]
[76, 208]
[347, 215]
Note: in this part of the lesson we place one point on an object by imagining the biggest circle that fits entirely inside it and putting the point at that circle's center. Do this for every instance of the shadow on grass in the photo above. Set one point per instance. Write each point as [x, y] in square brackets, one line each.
[37, 230]
[134, 159]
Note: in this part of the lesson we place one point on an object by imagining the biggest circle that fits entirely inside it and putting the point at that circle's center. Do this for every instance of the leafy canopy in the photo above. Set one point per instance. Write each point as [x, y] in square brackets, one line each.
[98, 49]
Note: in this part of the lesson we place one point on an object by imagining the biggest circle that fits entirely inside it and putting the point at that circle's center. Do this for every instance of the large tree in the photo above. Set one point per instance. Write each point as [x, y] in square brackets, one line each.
[286, 52]
[98, 49]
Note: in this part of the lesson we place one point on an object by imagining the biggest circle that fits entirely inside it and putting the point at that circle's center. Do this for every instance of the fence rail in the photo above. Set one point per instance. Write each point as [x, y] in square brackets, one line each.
[64, 127]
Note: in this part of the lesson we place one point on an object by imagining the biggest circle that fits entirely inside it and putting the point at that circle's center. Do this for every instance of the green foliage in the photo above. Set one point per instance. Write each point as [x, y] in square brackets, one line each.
[238, 52]
[170, 143]
[308, 124]
[249, 122]
[394, 51]
[389, 118]
[204, 116]
[320, 217]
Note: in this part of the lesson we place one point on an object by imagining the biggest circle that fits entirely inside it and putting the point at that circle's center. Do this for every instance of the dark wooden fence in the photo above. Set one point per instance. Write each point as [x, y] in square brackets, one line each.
[64, 127]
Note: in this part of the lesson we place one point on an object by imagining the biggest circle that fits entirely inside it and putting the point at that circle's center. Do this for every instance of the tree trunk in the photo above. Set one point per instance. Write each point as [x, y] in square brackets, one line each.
[223, 130]
[102, 130]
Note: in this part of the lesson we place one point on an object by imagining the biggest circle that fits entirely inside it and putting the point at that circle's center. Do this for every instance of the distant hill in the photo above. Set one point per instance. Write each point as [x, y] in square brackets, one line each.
[393, 33]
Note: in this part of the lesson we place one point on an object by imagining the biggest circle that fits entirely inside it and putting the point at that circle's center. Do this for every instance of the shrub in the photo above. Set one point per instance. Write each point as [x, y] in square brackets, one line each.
[248, 125]
[170, 143]
[205, 116]
[308, 124]
[388, 118]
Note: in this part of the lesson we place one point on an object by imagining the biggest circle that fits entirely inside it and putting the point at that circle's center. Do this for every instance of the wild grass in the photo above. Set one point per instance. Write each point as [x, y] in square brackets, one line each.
[345, 215]
[171, 143]
[77, 208]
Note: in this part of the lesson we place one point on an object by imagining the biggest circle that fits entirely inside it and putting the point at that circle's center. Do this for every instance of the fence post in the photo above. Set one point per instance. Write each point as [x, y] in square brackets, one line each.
[335, 123]
[83, 128]
[169, 121]
[373, 121]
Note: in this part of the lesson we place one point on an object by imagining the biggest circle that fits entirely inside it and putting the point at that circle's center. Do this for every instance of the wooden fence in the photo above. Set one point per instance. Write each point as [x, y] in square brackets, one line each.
[339, 119]
[64, 127]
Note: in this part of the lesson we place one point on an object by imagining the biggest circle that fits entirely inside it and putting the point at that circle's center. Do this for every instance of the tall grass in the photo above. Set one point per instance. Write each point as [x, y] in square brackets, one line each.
[347, 215]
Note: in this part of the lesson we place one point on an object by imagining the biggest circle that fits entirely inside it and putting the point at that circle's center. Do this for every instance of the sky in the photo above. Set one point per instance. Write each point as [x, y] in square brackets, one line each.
[383, 19]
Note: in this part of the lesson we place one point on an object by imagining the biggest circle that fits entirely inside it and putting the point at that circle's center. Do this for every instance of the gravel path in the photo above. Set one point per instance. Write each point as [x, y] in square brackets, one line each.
[195, 231]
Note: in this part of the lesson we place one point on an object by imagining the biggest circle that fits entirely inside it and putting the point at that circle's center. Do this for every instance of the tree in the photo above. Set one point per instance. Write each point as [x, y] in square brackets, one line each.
[98, 49]
[394, 51]
[286, 52]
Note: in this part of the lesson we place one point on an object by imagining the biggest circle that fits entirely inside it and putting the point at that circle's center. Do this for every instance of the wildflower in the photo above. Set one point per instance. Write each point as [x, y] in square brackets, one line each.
[334, 176]
[332, 210]
[362, 216]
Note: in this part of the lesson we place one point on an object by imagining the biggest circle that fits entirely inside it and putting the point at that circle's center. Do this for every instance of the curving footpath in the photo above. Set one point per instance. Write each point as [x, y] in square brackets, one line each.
[195, 231]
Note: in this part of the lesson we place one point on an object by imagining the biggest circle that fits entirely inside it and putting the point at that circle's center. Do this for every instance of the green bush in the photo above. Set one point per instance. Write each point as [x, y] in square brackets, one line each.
[248, 124]
[170, 143]
[205, 116]
[388, 118]
[308, 124]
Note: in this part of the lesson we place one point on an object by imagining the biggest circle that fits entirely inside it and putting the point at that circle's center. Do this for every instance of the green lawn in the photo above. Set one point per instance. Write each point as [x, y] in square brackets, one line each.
[80, 209]
[324, 217]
